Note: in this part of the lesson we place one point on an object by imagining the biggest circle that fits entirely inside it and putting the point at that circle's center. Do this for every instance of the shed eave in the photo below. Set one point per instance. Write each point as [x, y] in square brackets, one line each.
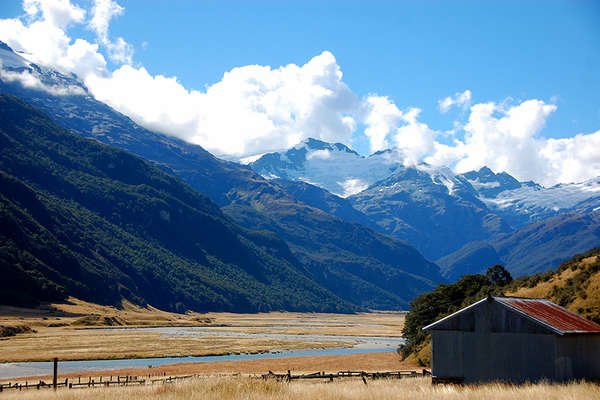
[432, 326]
[537, 321]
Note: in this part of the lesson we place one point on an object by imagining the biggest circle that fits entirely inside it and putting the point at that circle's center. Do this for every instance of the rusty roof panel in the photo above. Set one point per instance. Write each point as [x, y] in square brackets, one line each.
[550, 314]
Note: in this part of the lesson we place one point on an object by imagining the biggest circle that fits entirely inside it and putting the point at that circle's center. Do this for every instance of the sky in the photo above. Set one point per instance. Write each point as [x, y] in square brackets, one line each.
[512, 85]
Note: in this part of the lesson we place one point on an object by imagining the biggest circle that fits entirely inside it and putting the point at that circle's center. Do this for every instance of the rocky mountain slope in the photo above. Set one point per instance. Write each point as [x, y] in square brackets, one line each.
[532, 248]
[521, 203]
[433, 209]
[352, 261]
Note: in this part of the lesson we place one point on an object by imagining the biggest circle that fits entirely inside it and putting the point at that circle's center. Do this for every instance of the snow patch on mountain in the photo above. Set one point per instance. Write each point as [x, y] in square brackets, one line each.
[333, 167]
[15, 68]
[525, 202]
[559, 197]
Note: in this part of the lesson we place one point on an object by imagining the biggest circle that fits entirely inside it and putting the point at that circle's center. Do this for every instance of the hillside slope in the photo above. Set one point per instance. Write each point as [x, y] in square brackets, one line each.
[84, 219]
[533, 248]
[325, 244]
[575, 284]
[430, 208]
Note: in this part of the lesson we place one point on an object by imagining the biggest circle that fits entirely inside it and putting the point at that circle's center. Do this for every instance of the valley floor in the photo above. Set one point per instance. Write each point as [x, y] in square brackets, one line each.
[69, 331]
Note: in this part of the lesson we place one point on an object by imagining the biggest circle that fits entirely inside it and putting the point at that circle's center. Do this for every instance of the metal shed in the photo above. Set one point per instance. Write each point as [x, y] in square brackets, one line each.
[514, 340]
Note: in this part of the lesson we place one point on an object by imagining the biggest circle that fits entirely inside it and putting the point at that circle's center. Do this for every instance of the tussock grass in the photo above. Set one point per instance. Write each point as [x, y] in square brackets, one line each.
[230, 388]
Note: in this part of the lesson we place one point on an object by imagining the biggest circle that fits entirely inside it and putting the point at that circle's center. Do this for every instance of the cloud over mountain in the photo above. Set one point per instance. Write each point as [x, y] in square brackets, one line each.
[254, 109]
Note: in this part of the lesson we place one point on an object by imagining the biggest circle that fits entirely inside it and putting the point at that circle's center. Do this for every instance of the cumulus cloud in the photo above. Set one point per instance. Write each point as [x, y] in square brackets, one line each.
[462, 100]
[42, 38]
[572, 159]
[386, 124]
[381, 117]
[103, 11]
[254, 109]
[30, 81]
[501, 136]
[507, 139]
[58, 13]
[415, 139]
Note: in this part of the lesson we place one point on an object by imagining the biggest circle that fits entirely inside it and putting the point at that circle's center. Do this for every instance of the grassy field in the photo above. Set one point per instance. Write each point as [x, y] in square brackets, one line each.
[224, 388]
[62, 330]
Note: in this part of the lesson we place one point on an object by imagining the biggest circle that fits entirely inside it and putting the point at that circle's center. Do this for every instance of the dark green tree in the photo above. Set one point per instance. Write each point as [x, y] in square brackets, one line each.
[498, 275]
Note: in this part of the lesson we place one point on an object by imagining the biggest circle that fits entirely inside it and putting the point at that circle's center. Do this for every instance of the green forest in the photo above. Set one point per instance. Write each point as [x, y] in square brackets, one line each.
[78, 218]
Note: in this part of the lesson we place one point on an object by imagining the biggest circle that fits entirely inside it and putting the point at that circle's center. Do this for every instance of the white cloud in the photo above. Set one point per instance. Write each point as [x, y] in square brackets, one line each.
[59, 13]
[386, 123]
[42, 39]
[255, 109]
[462, 100]
[352, 186]
[506, 139]
[415, 139]
[501, 136]
[319, 154]
[572, 159]
[30, 81]
[103, 11]
[381, 117]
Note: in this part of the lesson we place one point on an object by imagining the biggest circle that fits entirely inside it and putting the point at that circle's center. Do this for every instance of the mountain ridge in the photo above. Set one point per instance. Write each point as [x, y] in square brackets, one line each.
[255, 203]
[81, 218]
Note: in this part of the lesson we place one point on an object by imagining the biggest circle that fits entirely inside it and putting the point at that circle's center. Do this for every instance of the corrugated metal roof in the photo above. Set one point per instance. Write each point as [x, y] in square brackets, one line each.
[552, 315]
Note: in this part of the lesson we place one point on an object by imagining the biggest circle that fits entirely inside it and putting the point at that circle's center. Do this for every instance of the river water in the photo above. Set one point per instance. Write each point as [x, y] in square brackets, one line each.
[363, 344]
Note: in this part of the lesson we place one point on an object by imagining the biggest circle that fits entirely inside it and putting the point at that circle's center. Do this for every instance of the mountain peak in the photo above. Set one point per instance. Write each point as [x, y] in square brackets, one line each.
[331, 166]
[316, 144]
[485, 171]
[4, 46]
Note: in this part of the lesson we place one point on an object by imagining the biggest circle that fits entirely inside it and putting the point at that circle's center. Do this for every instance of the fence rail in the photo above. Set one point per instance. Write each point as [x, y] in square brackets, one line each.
[347, 374]
[151, 380]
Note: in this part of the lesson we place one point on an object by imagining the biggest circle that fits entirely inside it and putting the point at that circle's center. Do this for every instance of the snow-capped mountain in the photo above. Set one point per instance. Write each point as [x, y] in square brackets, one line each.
[432, 208]
[333, 167]
[524, 202]
[16, 69]
[350, 260]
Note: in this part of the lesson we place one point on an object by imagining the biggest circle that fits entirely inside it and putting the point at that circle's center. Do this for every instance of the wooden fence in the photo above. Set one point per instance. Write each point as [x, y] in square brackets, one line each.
[347, 374]
[91, 382]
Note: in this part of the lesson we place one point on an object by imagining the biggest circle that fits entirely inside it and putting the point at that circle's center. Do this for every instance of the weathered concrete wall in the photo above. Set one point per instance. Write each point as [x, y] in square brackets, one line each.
[489, 356]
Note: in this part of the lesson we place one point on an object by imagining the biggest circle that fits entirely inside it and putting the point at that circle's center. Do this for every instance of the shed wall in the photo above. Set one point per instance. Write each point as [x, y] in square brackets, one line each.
[488, 356]
[578, 357]
[491, 316]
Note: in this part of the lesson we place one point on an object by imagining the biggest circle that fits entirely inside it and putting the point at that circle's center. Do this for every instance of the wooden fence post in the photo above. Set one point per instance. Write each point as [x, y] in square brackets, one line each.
[55, 374]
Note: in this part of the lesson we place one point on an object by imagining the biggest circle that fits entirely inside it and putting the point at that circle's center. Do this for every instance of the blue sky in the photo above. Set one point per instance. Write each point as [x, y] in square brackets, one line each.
[415, 52]
[541, 55]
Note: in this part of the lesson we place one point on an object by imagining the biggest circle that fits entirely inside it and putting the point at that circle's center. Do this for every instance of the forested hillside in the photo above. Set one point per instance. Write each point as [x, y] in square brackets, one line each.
[352, 261]
[84, 219]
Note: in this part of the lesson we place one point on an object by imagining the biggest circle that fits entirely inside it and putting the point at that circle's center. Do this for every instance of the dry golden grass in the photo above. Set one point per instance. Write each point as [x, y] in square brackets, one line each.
[61, 331]
[370, 362]
[251, 389]
[591, 300]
